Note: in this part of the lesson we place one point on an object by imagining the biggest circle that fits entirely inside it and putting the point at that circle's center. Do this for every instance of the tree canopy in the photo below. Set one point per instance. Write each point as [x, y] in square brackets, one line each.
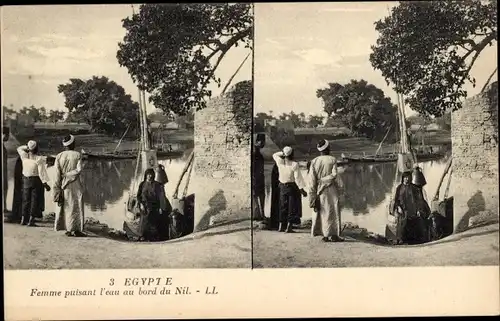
[360, 106]
[101, 103]
[427, 49]
[173, 50]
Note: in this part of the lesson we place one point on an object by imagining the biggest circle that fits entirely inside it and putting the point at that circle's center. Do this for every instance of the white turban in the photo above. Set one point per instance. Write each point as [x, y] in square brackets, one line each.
[31, 145]
[287, 151]
[69, 142]
[324, 146]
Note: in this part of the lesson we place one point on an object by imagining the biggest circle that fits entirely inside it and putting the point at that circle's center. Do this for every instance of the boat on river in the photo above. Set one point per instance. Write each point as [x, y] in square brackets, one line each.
[128, 155]
[390, 157]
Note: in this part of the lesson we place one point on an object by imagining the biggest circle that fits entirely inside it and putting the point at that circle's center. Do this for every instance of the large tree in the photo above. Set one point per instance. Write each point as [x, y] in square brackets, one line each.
[101, 103]
[427, 49]
[360, 106]
[173, 50]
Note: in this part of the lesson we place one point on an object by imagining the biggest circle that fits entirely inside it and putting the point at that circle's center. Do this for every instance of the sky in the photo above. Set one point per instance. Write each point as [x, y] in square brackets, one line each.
[301, 47]
[44, 46]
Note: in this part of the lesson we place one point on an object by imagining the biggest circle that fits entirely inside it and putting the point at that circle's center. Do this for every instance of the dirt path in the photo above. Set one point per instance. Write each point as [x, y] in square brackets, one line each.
[42, 248]
[478, 246]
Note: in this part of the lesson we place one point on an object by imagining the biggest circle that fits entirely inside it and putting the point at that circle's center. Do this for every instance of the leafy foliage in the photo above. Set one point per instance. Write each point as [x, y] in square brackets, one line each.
[298, 120]
[169, 49]
[360, 106]
[101, 103]
[428, 48]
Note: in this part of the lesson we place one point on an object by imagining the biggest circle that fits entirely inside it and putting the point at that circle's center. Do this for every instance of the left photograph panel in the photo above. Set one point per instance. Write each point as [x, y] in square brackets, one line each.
[127, 136]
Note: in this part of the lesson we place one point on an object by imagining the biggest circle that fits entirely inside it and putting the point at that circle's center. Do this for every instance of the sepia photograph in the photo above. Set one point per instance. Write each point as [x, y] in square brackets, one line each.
[127, 136]
[375, 138]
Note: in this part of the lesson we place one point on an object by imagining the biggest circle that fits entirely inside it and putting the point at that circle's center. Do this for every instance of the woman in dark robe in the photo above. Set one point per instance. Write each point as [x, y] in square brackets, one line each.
[151, 197]
[412, 210]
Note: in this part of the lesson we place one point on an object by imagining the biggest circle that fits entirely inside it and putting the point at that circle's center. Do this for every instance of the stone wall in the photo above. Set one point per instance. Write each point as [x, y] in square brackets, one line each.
[474, 139]
[222, 159]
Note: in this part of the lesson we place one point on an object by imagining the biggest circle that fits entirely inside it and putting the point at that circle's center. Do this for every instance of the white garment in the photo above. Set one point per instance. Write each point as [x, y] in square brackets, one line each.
[289, 171]
[33, 165]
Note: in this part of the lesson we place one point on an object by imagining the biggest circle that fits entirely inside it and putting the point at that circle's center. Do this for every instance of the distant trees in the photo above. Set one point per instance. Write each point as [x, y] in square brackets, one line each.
[297, 120]
[37, 114]
[101, 103]
[361, 107]
[427, 49]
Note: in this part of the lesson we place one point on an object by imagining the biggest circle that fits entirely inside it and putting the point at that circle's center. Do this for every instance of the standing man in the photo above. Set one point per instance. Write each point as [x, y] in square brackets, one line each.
[68, 190]
[35, 179]
[291, 185]
[258, 180]
[5, 181]
[324, 195]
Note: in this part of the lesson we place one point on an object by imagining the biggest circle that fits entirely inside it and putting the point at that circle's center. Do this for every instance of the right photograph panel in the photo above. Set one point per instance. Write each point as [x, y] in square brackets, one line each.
[375, 139]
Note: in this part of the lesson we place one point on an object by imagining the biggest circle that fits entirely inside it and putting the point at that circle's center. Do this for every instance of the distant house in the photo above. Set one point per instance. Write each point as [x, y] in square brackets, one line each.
[285, 124]
[169, 126]
[416, 127]
[433, 127]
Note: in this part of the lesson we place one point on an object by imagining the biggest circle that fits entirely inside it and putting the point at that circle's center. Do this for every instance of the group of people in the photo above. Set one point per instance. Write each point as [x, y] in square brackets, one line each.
[31, 181]
[321, 187]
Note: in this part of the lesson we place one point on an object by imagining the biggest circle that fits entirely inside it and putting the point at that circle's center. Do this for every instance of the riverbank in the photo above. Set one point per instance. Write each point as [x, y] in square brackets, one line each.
[271, 249]
[356, 146]
[50, 142]
[40, 247]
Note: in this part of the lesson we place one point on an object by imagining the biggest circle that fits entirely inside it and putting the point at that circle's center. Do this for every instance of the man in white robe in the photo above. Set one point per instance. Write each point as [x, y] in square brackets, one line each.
[68, 190]
[324, 195]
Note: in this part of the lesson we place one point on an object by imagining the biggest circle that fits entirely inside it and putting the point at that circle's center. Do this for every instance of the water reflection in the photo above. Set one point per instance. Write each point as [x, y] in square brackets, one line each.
[107, 185]
[368, 189]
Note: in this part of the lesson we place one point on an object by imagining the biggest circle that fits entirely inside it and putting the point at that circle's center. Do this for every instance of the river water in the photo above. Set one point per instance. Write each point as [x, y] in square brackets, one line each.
[107, 185]
[368, 189]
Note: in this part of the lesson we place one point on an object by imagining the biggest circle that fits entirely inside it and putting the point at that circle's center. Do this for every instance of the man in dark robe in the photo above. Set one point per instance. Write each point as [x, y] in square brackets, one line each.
[258, 180]
[5, 137]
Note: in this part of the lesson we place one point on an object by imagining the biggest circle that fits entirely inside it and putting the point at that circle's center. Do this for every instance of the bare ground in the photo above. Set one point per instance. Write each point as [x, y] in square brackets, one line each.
[41, 247]
[477, 246]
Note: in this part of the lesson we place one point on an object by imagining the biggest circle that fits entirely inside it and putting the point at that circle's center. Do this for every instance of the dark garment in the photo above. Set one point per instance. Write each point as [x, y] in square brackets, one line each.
[410, 199]
[258, 178]
[275, 198]
[32, 198]
[17, 200]
[289, 203]
[153, 225]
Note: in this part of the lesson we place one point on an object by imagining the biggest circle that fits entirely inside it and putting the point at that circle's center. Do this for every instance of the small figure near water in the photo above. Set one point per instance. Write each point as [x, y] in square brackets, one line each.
[291, 186]
[411, 210]
[34, 180]
[324, 195]
[68, 190]
[154, 209]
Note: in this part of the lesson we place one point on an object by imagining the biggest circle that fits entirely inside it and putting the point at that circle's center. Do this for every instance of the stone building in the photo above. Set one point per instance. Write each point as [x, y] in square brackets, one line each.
[222, 149]
[474, 139]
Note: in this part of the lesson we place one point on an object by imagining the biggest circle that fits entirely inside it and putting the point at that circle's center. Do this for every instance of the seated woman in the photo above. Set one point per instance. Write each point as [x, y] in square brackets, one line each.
[412, 212]
[154, 208]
